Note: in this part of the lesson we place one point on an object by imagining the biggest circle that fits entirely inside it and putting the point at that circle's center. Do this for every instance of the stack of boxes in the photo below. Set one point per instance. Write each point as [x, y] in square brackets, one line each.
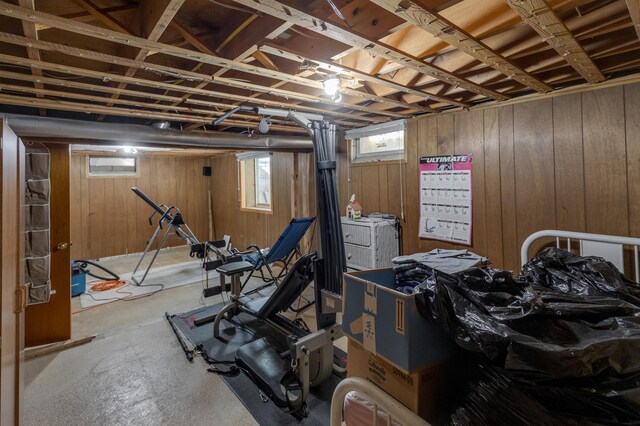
[392, 345]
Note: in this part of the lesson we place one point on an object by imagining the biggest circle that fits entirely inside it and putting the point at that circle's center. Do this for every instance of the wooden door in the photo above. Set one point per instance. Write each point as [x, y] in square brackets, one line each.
[13, 294]
[51, 322]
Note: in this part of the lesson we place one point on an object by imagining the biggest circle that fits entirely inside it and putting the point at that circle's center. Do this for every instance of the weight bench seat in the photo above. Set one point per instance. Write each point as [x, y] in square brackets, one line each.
[234, 268]
[289, 290]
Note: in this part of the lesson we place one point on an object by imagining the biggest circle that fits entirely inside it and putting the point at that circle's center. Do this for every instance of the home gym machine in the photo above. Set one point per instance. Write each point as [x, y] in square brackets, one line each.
[174, 223]
[311, 354]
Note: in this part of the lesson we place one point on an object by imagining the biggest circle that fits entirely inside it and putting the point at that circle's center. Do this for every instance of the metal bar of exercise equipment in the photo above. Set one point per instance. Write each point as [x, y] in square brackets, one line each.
[316, 348]
[172, 219]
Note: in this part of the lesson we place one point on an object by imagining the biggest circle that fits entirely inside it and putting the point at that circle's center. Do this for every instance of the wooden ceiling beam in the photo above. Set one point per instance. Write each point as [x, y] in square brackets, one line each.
[345, 35]
[265, 29]
[126, 112]
[430, 21]
[72, 84]
[158, 85]
[153, 17]
[30, 31]
[283, 52]
[191, 38]
[541, 17]
[87, 17]
[7, 88]
[7, 75]
[36, 16]
[264, 60]
[195, 41]
[236, 32]
[592, 33]
[203, 78]
[156, 15]
[101, 15]
[634, 12]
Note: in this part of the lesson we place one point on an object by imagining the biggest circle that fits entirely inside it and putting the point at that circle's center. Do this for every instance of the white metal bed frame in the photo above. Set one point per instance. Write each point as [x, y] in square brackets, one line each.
[581, 237]
[381, 400]
[401, 414]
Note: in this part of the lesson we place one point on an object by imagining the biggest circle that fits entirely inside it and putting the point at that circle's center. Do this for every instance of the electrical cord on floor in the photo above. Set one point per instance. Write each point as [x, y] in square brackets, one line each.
[130, 298]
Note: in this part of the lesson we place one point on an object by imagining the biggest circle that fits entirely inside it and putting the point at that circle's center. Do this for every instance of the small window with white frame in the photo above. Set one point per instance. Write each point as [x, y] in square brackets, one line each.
[255, 181]
[378, 142]
[112, 166]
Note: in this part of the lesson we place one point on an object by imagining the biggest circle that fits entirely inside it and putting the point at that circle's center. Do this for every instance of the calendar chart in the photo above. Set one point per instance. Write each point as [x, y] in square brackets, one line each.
[445, 198]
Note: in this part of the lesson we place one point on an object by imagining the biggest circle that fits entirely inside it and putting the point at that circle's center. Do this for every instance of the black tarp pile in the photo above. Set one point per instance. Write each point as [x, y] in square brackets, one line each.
[564, 335]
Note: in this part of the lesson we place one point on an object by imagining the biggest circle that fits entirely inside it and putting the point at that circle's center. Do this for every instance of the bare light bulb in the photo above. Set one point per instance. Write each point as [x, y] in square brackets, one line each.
[331, 85]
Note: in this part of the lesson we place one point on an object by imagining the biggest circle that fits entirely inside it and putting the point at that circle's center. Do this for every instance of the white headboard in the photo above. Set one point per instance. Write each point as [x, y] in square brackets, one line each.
[609, 247]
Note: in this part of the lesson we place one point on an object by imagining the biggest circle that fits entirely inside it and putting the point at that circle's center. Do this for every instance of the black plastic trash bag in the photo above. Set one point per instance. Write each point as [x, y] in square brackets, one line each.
[535, 329]
[570, 331]
[568, 273]
[493, 396]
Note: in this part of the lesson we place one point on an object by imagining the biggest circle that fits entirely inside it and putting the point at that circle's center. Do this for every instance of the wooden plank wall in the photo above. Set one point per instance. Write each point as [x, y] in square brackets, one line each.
[108, 219]
[289, 176]
[570, 162]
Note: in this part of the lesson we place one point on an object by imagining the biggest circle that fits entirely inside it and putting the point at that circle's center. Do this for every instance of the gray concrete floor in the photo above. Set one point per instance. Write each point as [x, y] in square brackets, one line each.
[134, 372]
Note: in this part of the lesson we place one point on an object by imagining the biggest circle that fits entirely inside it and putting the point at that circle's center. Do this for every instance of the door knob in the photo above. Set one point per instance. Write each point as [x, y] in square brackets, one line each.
[63, 246]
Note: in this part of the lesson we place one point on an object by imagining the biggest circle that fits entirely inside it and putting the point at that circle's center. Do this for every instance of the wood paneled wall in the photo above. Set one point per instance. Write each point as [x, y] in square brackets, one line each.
[570, 162]
[292, 196]
[108, 219]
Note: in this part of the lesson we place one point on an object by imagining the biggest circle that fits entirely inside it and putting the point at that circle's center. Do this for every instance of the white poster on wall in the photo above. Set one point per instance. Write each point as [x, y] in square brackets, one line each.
[445, 198]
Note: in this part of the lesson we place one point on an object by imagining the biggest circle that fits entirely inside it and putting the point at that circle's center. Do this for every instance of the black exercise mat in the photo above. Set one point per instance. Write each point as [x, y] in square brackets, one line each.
[245, 330]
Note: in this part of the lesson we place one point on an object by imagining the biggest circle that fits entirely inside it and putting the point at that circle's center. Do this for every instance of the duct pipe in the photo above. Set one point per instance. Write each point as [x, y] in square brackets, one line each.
[27, 126]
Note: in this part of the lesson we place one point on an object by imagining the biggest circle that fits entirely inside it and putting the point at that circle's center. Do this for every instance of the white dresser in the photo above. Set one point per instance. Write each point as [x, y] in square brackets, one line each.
[370, 243]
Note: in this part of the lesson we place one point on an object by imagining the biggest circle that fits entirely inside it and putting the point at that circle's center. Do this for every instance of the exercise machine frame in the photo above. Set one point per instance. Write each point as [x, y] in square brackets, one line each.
[330, 263]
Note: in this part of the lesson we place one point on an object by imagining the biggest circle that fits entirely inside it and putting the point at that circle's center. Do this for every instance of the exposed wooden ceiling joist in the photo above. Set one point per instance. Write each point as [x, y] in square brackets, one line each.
[8, 75]
[236, 32]
[139, 105]
[72, 84]
[110, 54]
[541, 17]
[634, 11]
[153, 19]
[86, 16]
[155, 85]
[101, 15]
[351, 73]
[432, 22]
[126, 112]
[242, 47]
[30, 31]
[109, 35]
[374, 47]
[191, 38]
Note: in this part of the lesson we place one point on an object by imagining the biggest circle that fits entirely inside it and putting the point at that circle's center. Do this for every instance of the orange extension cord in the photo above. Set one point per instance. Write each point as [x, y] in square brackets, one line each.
[108, 285]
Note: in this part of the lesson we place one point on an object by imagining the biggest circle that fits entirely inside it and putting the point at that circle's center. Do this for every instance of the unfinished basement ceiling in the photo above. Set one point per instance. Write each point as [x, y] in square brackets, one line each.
[189, 61]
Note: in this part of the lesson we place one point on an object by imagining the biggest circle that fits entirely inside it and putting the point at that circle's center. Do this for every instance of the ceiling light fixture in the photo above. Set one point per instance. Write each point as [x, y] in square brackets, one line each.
[331, 85]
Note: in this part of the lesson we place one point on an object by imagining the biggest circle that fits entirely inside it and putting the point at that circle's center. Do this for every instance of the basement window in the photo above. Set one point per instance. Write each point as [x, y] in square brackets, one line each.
[381, 142]
[255, 181]
[112, 166]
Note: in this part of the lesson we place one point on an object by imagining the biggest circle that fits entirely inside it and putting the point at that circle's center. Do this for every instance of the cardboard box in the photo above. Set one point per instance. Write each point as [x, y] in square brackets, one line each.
[387, 322]
[421, 391]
